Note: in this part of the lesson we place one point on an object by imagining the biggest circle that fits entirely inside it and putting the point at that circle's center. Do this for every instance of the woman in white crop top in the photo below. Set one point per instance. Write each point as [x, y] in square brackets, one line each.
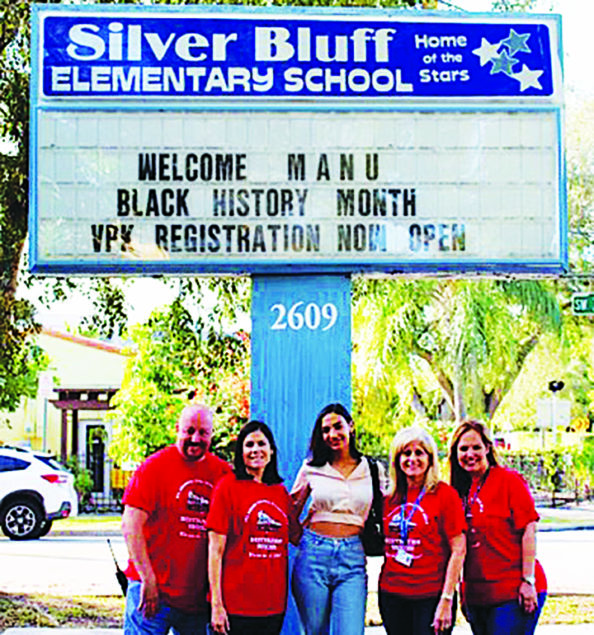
[329, 577]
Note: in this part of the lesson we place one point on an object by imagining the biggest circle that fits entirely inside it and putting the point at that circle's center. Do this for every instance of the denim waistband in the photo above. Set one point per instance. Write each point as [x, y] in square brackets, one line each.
[330, 540]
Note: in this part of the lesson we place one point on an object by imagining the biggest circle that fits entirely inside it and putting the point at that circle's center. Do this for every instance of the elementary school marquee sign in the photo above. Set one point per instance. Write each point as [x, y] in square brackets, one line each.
[195, 139]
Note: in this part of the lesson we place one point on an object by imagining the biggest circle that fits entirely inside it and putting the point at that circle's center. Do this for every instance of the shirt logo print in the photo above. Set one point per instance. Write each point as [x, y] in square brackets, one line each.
[266, 523]
[197, 503]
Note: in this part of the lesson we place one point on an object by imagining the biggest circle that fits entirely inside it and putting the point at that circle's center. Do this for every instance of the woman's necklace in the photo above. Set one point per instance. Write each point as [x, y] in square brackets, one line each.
[468, 501]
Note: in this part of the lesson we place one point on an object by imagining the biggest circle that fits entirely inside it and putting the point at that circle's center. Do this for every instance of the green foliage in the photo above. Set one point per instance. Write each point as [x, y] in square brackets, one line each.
[83, 481]
[177, 357]
[583, 463]
[21, 360]
[109, 316]
[580, 180]
[434, 348]
[513, 5]
[557, 470]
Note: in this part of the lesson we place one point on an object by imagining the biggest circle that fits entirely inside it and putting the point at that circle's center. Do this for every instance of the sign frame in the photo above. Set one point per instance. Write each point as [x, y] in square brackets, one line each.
[552, 105]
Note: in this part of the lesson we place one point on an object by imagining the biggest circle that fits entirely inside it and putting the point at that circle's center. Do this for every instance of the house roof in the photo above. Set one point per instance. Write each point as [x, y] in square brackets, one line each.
[87, 341]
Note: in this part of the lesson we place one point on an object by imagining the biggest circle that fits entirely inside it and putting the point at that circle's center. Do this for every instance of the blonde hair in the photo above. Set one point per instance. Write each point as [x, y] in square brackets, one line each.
[404, 437]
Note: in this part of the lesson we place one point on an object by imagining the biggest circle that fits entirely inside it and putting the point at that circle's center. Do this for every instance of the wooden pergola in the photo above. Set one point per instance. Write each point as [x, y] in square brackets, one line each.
[75, 399]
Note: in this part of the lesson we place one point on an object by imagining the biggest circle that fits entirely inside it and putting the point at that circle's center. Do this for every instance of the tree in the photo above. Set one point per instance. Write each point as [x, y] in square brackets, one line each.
[178, 358]
[20, 359]
[444, 348]
[580, 178]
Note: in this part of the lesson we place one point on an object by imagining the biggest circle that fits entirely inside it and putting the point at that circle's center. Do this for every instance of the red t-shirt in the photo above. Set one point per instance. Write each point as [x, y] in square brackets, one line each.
[176, 495]
[497, 517]
[255, 519]
[437, 518]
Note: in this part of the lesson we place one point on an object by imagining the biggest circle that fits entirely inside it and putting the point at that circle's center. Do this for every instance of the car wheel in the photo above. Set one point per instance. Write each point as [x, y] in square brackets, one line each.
[22, 520]
[46, 525]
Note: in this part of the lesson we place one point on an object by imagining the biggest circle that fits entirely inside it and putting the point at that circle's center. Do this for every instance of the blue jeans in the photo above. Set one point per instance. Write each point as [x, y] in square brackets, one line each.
[329, 584]
[180, 622]
[504, 619]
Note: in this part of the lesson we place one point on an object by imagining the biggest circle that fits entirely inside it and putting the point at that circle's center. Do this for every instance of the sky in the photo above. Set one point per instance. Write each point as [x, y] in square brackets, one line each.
[144, 294]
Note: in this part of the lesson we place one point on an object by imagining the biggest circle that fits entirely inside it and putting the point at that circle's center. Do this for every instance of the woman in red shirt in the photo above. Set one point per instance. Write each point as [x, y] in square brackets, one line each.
[248, 532]
[504, 584]
[425, 543]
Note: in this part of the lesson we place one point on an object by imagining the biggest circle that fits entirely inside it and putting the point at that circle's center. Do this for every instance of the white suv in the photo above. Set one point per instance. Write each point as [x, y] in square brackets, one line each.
[34, 491]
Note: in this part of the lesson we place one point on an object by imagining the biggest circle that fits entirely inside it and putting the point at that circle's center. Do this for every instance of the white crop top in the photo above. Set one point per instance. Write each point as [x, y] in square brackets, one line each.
[335, 498]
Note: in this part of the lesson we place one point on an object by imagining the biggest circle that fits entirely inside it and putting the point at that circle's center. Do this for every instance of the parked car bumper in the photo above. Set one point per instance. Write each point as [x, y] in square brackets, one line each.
[64, 511]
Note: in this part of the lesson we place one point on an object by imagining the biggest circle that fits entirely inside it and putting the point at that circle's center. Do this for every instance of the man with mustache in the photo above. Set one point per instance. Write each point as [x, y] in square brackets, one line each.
[164, 525]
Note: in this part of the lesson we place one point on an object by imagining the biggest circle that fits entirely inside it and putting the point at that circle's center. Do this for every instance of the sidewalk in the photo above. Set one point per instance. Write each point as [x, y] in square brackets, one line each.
[566, 517]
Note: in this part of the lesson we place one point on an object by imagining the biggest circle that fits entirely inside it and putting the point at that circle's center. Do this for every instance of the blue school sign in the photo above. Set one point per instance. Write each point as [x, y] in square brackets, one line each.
[292, 55]
[299, 146]
[186, 140]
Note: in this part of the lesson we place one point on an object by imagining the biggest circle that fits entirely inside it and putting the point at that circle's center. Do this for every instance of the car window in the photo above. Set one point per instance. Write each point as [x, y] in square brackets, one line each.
[9, 464]
[49, 460]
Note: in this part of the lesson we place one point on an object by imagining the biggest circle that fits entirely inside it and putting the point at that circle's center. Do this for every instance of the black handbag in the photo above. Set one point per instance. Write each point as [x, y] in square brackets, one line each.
[373, 530]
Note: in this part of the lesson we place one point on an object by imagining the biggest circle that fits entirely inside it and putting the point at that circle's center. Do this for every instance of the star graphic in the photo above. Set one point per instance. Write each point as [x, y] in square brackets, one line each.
[516, 42]
[528, 78]
[503, 64]
[487, 51]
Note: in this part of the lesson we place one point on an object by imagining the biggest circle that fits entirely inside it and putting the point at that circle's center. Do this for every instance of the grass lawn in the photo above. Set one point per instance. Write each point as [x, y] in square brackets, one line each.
[88, 523]
[107, 611]
[46, 610]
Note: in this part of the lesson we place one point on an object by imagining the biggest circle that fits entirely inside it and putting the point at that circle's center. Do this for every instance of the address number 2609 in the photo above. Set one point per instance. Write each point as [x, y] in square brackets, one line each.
[300, 315]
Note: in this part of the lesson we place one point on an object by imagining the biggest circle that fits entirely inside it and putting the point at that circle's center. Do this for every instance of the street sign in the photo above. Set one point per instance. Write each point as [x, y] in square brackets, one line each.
[582, 303]
[552, 413]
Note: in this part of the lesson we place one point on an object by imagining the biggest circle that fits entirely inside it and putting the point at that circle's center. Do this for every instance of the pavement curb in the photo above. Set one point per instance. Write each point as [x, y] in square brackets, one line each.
[68, 533]
[564, 527]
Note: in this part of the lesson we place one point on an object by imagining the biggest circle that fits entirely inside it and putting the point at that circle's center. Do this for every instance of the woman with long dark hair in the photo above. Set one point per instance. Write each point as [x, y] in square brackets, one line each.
[504, 584]
[248, 529]
[329, 577]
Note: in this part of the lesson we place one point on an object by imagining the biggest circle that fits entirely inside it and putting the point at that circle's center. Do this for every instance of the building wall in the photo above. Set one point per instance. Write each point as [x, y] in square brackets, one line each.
[75, 362]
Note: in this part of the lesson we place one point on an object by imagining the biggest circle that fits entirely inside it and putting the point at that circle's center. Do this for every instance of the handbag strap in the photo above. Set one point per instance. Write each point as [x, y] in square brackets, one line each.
[377, 493]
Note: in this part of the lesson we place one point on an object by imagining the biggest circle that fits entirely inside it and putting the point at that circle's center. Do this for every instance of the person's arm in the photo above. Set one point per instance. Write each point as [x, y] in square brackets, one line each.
[216, 548]
[527, 593]
[300, 491]
[133, 521]
[443, 612]
[299, 498]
